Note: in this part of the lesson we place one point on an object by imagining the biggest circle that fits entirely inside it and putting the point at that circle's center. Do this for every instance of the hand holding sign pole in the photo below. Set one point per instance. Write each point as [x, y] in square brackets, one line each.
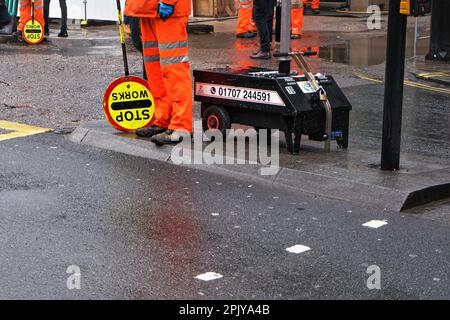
[128, 103]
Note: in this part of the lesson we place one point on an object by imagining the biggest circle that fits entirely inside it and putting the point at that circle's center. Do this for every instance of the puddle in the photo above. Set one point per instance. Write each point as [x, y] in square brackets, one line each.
[97, 50]
[364, 52]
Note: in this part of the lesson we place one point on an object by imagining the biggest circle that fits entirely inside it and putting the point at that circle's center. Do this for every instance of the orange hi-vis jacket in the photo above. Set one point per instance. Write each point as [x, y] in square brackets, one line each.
[166, 59]
[297, 17]
[314, 3]
[149, 8]
[25, 12]
[245, 21]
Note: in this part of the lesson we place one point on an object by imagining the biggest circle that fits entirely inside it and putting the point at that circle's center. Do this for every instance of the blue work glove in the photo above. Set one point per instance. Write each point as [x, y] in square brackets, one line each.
[165, 10]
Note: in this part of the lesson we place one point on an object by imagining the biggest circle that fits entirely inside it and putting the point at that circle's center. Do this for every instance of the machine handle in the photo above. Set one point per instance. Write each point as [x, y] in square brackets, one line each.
[281, 54]
[309, 53]
[287, 54]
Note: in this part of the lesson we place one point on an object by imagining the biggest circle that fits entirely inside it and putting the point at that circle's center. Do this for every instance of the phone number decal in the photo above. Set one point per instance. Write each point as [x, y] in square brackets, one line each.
[238, 93]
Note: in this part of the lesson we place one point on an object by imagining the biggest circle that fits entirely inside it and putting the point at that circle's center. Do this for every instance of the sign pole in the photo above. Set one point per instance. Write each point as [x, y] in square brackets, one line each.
[393, 91]
[122, 39]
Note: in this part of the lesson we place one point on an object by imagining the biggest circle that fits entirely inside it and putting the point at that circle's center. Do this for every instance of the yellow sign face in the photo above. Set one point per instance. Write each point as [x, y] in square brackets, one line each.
[33, 32]
[128, 104]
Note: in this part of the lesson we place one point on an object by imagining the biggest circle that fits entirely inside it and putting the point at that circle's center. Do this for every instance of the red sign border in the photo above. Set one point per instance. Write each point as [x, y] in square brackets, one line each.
[111, 87]
[42, 33]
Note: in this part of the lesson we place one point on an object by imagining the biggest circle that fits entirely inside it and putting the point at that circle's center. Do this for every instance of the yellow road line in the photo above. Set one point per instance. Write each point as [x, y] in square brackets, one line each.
[433, 74]
[19, 130]
[406, 82]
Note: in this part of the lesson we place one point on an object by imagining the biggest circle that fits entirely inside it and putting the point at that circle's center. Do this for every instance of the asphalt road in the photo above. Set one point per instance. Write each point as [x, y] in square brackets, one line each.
[143, 229]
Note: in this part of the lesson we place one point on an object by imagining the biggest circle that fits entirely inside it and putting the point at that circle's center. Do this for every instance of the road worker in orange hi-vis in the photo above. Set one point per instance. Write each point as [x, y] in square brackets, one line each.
[25, 13]
[165, 49]
[314, 5]
[246, 27]
[296, 19]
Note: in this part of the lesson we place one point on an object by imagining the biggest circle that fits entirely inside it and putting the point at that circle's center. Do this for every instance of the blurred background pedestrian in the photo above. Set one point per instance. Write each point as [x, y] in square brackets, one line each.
[63, 6]
[263, 16]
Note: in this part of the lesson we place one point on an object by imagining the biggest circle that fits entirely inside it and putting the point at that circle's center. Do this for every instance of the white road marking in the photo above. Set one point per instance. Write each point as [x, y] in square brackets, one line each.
[208, 276]
[298, 248]
[375, 224]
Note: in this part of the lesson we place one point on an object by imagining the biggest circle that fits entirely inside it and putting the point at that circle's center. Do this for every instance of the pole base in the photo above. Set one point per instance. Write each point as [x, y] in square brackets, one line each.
[438, 56]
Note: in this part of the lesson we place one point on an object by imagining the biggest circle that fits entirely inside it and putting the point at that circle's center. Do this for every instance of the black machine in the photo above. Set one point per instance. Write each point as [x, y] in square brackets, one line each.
[308, 104]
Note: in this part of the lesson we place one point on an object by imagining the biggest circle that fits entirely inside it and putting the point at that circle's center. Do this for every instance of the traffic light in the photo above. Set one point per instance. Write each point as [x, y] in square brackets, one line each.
[415, 7]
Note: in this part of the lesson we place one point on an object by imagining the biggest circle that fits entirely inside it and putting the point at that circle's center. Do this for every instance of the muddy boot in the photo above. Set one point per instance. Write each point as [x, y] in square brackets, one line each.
[168, 137]
[261, 55]
[20, 36]
[148, 132]
[63, 34]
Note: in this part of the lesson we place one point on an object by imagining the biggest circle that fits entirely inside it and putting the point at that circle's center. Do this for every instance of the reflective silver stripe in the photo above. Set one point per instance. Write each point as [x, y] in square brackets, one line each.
[38, 7]
[150, 44]
[173, 60]
[173, 45]
[151, 58]
[245, 6]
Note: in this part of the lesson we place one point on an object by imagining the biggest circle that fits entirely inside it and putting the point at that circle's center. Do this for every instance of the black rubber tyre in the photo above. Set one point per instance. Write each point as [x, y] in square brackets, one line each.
[216, 118]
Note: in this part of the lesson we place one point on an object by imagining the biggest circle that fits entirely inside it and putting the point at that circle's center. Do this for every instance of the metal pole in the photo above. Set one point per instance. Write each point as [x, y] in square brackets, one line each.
[32, 11]
[285, 41]
[122, 39]
[393, 91]
[416, 35]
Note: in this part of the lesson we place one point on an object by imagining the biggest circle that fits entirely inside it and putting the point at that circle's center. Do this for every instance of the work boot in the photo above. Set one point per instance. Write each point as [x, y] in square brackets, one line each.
[261, 55]
[20, 36]
[63, 34]
[296, 36]
[168, 137]
[148, 132]
[246, 35]
[316, 11]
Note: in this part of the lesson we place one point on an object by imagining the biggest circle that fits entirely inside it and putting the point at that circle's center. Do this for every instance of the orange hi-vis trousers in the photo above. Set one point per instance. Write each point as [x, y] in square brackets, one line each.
[314, 3]
[165, 48]
[297, 17]
[25, 12]
[245, 20]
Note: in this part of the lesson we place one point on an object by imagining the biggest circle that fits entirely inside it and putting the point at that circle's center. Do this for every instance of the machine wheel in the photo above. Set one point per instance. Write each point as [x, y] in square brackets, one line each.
[216, 118]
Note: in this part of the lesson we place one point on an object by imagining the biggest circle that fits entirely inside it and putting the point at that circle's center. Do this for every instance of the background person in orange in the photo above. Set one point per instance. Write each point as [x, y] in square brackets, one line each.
[165, 49]
[246, 27]
[314, 5]
[296, 19]
[25, 13]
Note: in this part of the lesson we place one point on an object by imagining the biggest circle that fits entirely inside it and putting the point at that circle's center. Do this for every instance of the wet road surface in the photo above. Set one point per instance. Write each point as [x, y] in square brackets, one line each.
[145, 229]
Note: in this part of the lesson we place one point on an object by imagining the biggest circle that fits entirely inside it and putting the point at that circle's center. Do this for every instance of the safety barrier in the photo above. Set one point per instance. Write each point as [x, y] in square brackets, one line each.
[12, 6]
